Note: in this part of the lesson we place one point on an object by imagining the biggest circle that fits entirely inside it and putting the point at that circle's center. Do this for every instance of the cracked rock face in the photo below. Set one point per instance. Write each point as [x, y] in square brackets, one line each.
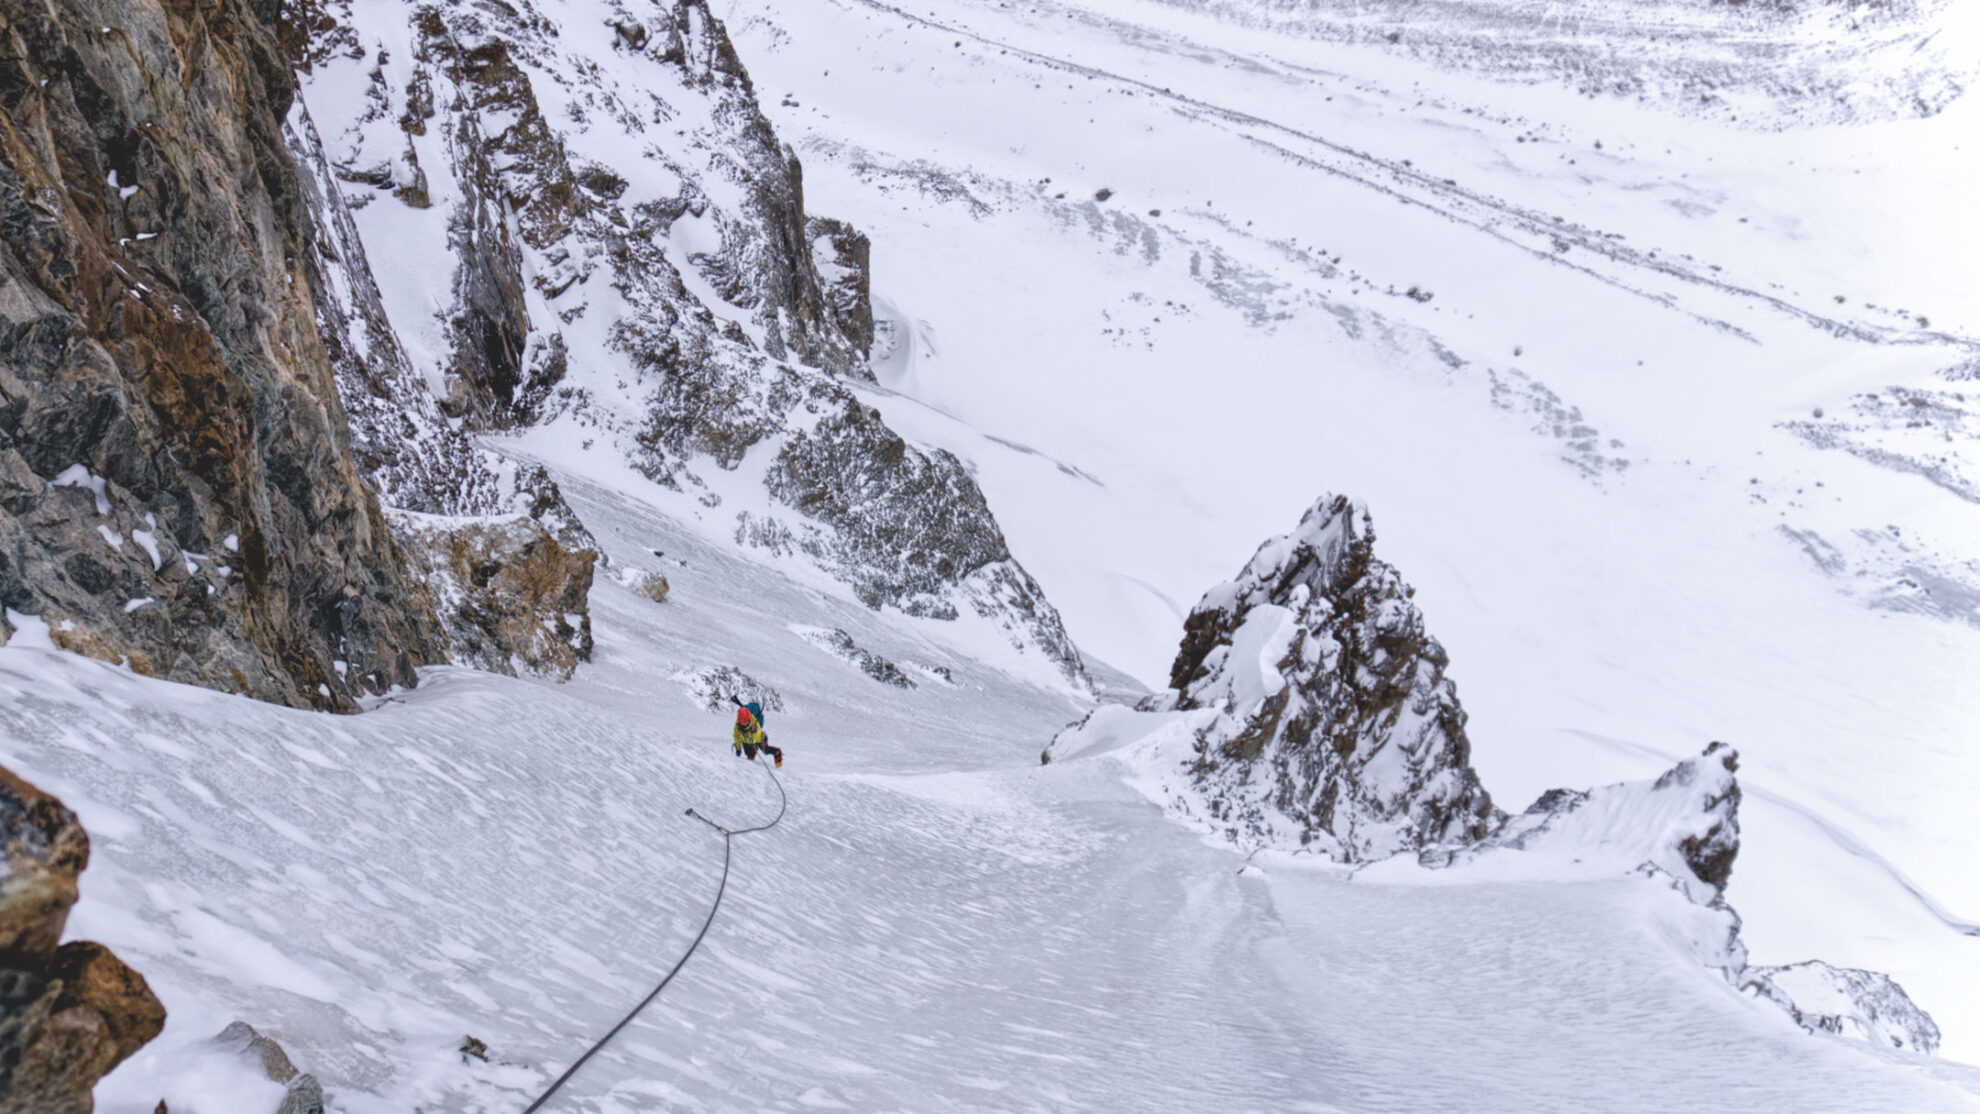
[178, 490]
[68, 1013]
[1325, 712]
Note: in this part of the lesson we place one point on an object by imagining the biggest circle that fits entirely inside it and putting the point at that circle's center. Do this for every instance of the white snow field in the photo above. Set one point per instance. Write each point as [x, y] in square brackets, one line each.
[1676, 439]
[938, 924]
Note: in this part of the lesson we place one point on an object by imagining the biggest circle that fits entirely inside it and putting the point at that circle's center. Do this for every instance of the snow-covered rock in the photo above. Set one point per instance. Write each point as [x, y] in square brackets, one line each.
[1323, 712]
[1843, 1000]
[511, 597]
[301, 1094]
[1684, 824]
[1309, 707]
[1683, 827]
[714, 686]
[840, 645]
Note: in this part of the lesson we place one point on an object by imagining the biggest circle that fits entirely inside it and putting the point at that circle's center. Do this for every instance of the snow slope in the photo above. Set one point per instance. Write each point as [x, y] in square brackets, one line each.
[938, 924]
[1673, 438]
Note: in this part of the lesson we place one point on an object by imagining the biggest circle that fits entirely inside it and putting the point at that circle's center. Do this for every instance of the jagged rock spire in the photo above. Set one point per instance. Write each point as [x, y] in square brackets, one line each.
[1334, 720]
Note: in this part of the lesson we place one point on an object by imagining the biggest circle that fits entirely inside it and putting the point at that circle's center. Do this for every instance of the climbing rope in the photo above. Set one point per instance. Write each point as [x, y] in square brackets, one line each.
[727, 836]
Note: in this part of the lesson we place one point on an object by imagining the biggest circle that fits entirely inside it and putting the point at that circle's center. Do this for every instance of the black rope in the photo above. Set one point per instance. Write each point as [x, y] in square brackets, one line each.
[782, 802]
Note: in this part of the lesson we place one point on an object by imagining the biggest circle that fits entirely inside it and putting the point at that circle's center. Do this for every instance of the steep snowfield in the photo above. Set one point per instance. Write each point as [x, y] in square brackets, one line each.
[1618, 440]
[938, 923]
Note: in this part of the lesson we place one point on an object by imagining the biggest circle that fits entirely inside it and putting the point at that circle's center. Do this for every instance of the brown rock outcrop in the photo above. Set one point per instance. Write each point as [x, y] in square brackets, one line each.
[68, 1013]
[512, 598]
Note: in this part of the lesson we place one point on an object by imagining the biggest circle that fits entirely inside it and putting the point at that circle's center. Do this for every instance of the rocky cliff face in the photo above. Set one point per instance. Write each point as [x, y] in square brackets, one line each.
[68, 1013]
[586, 233]
[178, 490]
[1325, 713]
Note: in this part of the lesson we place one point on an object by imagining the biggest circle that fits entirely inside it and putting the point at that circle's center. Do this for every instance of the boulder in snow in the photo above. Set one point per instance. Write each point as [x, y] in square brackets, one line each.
[304, 1095]
[68, 1013]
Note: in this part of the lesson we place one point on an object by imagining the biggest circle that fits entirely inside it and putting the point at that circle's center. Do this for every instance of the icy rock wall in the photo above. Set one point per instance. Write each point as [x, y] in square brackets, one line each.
[619, 244]
[178, 488]
[1327, 715]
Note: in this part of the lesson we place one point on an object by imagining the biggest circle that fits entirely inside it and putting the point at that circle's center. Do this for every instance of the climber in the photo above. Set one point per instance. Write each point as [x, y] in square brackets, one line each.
[749, 736]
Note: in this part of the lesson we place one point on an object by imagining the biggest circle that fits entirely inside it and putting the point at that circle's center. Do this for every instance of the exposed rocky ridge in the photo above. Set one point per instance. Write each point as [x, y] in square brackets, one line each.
[68, 1013]
[616, 242]
[180, 490]
[1684, 824]
[840, 645]
[1326, 713]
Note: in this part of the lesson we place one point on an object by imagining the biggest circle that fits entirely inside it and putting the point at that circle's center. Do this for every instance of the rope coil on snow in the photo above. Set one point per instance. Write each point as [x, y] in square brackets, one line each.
[727, 835]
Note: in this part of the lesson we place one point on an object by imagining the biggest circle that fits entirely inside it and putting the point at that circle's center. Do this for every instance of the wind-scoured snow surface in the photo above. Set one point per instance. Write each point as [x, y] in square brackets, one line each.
[1664, 401]
[938, 924]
